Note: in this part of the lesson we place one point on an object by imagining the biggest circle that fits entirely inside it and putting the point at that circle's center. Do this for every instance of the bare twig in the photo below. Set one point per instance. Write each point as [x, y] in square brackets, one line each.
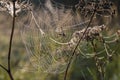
[3, 67]
[8, 70]
[73, 53]
[10, 43]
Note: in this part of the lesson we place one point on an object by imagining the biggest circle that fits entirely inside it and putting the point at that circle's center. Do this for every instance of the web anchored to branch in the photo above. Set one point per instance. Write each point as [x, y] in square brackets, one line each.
[50, 40]
[53, 34]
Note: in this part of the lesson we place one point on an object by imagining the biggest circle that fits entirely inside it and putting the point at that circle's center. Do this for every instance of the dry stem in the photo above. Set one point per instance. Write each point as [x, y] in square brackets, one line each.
[8, 70]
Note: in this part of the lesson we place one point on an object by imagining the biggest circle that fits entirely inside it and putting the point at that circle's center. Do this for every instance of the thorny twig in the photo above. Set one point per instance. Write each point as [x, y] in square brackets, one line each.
[8, 70]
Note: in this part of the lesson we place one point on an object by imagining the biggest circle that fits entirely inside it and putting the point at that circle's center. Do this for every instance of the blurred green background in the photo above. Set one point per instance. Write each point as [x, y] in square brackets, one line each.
[22, 70]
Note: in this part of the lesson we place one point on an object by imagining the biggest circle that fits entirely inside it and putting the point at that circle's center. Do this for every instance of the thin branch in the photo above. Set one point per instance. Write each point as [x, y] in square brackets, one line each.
[71, 58]
[8, 70]
[3, 67]
[10, 43]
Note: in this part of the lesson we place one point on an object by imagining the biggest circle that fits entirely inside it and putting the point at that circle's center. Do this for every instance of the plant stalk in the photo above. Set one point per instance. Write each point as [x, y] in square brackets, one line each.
[73, 53]
[98, 65]
[10, 43]
[8, 70]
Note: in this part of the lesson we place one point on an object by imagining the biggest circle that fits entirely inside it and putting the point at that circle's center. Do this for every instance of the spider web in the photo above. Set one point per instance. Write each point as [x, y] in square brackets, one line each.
[47, 22]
